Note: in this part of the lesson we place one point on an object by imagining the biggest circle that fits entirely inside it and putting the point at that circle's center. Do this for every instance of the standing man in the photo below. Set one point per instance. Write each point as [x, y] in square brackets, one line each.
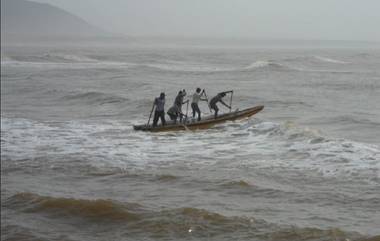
[216, 99]
[197, 96]
[179, 102]
[159, 102]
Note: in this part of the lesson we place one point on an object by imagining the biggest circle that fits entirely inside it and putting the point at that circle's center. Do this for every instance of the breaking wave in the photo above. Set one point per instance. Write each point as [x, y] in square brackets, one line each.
[307, 148]
[57, 60]
[262, 64]
[192, 67]
[330, 60]
[328, 156]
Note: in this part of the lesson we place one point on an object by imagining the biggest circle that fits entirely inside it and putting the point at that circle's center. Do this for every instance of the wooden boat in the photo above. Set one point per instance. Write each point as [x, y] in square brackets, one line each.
[204, 123]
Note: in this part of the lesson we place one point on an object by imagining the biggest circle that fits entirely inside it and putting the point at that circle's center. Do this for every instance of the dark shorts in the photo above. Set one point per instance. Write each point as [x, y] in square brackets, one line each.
[172, 116]
[159, 115]
[195, 107]
[214, 107]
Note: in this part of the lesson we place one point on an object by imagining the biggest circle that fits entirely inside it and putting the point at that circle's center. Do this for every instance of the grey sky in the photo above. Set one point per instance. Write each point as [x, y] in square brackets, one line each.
[261, 19]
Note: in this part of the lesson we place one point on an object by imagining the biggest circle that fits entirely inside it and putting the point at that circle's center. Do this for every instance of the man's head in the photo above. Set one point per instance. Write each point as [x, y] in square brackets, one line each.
[222, 94]
[180, 92]
[162, 95]
[198, 90]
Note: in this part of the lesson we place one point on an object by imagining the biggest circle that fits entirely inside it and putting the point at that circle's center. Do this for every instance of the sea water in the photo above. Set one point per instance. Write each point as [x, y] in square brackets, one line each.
[304, 168]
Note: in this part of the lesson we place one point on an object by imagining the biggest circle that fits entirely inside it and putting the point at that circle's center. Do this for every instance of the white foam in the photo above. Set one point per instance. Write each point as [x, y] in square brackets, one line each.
[330, 60]
[260, 144]
[187, 66]
[61, 60]
[258, 64]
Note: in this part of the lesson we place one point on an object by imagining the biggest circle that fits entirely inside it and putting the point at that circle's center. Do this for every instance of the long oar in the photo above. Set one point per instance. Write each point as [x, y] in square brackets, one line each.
[186, 128]
[150, 116]
[187, 109]
[208, 104]
[232, 93]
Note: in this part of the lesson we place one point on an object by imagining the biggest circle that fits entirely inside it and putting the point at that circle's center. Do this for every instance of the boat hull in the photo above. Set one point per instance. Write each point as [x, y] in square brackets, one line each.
[205, 123]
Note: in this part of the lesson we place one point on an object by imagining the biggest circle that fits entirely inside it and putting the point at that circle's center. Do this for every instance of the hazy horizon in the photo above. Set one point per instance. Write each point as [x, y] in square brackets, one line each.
[348, 20]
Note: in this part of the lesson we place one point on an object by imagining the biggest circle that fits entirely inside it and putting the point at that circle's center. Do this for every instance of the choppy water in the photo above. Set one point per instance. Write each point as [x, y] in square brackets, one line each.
[305, 168]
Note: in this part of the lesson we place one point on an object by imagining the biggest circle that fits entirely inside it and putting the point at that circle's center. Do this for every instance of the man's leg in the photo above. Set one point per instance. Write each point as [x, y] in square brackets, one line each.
[198, 111]
[162, 115]
[216, 109]
[193, 108]
[155, 119]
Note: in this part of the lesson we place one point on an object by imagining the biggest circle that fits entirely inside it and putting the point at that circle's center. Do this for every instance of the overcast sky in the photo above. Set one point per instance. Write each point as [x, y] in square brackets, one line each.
[259, 19]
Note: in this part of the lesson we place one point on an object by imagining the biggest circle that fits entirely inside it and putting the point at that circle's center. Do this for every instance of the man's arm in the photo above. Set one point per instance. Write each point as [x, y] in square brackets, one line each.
[203, 94]
[221, 101]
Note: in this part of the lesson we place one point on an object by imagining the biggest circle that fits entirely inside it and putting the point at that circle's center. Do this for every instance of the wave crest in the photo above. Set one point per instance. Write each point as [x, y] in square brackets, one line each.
[93, 209]
[330, 60]
[309, 148]
[174, 223]
[94, 97]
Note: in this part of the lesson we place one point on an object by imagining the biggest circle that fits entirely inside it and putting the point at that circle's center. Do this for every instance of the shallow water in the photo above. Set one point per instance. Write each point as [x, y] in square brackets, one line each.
[305, 168]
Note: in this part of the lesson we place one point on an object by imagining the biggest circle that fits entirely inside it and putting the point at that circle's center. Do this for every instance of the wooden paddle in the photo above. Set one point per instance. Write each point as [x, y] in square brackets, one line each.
[150, 116]
[208, 104]
[232, 93]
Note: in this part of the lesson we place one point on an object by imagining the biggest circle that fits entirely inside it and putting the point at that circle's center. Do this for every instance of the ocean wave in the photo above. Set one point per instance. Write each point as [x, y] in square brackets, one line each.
[166, 178]
[328, 156]
[59, 57]
[191, 222]
[287, 103]
[310, 59]
[316, 64]
[267, 64]
[196, 67]
[185, 67]
[58, 61]
[94, 98]
[21, 233]
[237, 184]
[350, 119]
[330, 60]
[92, 209]
[266, 144]
[55, 58]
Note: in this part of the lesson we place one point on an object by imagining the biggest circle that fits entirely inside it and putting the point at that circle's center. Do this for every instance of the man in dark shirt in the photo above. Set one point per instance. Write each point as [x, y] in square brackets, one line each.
[179, 102]
[160, 110]
[173, 113]
[216, 99]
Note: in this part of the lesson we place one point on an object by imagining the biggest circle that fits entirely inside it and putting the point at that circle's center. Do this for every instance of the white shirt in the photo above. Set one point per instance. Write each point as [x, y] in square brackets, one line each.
[196, 98]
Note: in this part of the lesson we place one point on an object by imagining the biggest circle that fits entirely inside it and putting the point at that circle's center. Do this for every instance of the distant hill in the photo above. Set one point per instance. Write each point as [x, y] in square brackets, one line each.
[20, 18]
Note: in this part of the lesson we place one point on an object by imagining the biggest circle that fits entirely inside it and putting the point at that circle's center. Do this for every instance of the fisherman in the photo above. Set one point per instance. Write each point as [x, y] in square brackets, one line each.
[159, 102]
[179, 101]
[173, 113]
[216, 99]
[197, 96]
